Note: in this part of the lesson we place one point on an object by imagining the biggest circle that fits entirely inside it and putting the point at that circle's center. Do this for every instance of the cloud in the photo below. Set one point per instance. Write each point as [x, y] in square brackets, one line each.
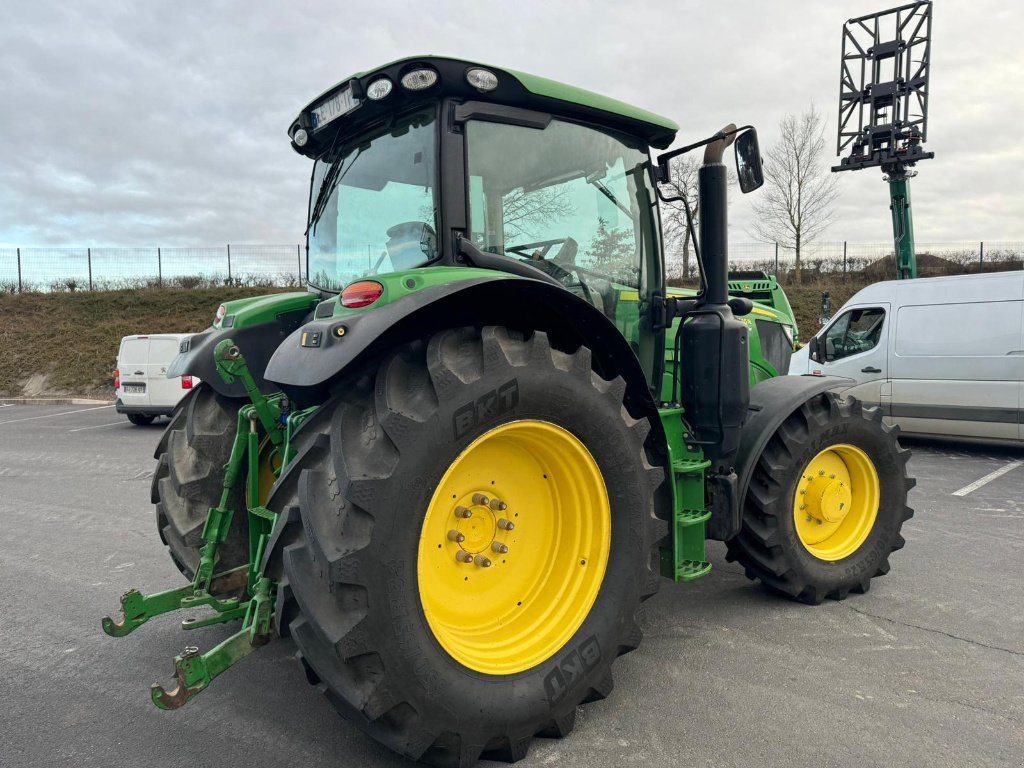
[159, 123]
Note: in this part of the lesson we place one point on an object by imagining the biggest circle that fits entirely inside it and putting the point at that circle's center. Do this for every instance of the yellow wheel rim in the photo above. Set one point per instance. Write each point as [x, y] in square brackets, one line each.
[836, 502]
[505, 586]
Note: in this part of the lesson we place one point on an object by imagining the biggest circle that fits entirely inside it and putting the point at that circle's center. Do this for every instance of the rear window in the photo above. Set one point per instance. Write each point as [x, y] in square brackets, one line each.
[134, 351]
[163, 350]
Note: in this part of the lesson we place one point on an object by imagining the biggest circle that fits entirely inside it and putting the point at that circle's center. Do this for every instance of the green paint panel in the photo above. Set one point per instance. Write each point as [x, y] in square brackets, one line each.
[552, 89]
[264, 309]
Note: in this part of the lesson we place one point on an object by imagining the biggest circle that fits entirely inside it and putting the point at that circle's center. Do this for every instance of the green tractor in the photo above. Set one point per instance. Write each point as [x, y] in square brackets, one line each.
[454, 468]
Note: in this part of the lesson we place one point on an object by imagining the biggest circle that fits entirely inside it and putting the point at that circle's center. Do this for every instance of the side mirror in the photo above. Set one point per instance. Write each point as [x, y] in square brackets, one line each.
[748, 161]
[815, 348]
[661, 172]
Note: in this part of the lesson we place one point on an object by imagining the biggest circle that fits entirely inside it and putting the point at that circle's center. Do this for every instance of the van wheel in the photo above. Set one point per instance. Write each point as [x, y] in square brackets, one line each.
[139, 420]
[826, 502]
[189, 480]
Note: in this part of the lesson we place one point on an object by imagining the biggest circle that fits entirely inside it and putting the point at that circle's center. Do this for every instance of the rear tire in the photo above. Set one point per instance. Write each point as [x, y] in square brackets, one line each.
[356, 557]
[189, 480]
[139, 420]
[826, 502]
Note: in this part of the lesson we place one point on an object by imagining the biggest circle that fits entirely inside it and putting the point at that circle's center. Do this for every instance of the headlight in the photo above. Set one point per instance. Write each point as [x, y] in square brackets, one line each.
[788, 330]
[419, 79]
[482, 79]
[378, 89]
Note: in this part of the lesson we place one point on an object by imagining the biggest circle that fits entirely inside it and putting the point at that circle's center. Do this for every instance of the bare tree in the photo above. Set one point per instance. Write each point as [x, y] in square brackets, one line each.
[796, 203]
[684, 184]
[673, 215]
[525, 212]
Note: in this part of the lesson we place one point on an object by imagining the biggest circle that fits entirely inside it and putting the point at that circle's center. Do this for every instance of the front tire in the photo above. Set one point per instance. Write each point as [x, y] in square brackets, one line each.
[412, 637]
[139, 420]
[826, 502]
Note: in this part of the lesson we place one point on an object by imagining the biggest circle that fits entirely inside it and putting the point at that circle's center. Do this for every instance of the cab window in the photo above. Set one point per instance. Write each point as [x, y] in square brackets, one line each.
[570, 200]
[856, 331]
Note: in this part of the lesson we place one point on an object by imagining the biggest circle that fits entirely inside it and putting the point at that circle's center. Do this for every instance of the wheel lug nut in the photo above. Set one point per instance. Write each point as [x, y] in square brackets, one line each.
[501, 549]
[506, 525]
[802, 506]
[463, 512]
[463, 556]
[483, 562]
[479, 498]
[456, 537]
[832, 477]
[821, 473]
[499, 505]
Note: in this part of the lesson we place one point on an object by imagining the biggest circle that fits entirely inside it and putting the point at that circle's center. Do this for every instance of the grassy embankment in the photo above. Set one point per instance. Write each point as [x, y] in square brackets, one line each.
[58, 344]
[66, 343]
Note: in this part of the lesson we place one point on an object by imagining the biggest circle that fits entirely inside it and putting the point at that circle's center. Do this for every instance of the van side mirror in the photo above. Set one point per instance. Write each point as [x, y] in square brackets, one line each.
[748, 161]
[815, 348]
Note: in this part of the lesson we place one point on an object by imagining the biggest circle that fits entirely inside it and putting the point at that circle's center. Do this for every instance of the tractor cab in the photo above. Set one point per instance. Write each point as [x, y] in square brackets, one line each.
[426, 159]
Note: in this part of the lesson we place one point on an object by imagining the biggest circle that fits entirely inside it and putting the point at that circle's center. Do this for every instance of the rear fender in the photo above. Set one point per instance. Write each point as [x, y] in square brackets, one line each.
[318, 353]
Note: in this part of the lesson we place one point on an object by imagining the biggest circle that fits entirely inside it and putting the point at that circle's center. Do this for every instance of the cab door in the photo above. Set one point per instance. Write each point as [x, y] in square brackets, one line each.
[856, 347]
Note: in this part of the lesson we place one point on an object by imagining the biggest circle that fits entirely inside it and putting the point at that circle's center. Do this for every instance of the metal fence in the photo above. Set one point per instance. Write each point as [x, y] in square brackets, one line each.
[871, 261]
[87, 269]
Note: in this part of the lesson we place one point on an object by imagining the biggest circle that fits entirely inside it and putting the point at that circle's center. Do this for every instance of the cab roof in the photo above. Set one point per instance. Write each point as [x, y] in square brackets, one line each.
[514, 88]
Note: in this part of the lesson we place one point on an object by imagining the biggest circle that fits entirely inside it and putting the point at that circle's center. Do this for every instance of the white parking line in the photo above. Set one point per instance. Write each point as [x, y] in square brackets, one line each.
[51, 415]
[988, 478]
[100, 426]
[6, 405]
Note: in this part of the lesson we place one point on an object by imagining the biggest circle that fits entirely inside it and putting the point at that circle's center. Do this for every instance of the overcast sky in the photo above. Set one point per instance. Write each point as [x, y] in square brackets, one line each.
[160, 123]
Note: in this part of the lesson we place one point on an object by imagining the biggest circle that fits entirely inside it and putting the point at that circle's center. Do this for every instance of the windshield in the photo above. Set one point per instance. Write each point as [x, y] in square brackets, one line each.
[373, 205]
[571, 200]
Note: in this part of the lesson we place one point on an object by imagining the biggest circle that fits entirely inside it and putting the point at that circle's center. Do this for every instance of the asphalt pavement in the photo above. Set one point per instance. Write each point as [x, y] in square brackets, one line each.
[927, 669]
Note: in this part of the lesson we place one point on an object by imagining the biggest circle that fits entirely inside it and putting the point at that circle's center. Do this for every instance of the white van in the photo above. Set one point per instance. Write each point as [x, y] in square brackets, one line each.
[941, 355]
[141, 386]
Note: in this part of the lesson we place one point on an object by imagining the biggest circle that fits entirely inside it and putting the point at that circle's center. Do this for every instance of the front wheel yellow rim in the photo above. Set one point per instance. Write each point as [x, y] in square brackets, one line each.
[514, 547]
[836, 502]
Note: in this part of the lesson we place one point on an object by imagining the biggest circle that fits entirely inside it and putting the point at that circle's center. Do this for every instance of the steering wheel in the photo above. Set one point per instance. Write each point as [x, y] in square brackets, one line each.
[561, 265]
[541, 250]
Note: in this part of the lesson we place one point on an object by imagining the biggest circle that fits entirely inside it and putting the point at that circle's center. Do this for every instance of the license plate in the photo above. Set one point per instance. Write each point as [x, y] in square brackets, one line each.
[134, 389]
[339, 104]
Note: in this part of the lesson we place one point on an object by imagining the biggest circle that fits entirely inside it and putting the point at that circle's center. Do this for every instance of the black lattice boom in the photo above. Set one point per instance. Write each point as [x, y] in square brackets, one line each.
[883, 87]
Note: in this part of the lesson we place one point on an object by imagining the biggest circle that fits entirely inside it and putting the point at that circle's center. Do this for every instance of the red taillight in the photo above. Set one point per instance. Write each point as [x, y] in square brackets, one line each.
[186, 382]
[361, 294]
[117, 379]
